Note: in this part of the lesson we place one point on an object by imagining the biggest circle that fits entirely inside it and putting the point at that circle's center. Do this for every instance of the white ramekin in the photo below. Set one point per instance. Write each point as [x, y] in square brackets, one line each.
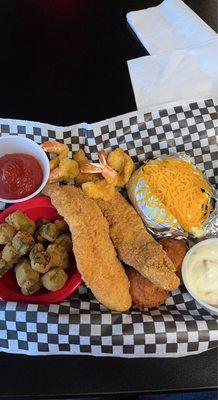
[17, 144]
[185, 265]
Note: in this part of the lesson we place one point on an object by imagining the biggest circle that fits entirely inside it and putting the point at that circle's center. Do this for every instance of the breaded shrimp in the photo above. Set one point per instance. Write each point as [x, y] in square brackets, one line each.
[135, 246]
[94, 251]
[81, 159]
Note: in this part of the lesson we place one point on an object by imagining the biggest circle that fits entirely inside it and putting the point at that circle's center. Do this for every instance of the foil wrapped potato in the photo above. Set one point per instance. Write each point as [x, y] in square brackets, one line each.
[172, 196]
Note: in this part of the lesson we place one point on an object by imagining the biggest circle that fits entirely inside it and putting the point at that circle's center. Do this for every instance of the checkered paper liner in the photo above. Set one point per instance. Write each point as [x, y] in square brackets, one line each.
[80, 325]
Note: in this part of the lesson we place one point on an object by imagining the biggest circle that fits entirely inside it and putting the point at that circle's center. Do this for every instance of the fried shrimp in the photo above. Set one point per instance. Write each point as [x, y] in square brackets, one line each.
[117, 169]
[61, 167]
[135, 246]
[123, 164]
[94, 252]
[54, 147]
[81, 159]
[101, 168]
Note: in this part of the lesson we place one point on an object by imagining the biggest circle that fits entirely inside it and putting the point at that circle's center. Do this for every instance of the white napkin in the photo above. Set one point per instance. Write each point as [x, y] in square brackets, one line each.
[184, 61]
[175, 76]
[169, 26]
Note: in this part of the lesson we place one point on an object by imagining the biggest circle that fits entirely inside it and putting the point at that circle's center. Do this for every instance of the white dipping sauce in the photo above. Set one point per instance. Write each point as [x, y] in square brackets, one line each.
[202, 273]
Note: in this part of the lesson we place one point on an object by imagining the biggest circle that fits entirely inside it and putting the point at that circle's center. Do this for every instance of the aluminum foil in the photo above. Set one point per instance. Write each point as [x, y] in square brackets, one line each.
[150, 214]
[211, 226]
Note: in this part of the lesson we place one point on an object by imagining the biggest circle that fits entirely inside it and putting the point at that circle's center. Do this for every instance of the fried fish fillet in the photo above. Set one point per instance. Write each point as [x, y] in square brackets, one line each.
[135, 246]
[93, 249]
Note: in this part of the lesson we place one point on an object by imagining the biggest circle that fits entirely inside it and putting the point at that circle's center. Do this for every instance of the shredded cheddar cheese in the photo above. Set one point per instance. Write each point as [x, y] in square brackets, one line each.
[181, 188]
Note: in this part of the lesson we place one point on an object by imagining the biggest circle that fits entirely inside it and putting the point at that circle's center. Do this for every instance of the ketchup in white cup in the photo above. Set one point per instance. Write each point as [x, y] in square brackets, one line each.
[24, 169]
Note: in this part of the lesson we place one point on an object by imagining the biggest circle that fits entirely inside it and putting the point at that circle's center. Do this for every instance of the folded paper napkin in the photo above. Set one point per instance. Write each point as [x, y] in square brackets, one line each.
[184, 55]
[169, 26]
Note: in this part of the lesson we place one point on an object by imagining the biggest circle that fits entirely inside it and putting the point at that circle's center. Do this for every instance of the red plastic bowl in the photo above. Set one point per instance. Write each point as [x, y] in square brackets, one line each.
[38, 207]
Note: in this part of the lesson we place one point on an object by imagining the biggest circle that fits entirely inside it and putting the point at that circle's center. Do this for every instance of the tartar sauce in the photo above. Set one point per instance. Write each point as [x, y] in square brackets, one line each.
[202, 273]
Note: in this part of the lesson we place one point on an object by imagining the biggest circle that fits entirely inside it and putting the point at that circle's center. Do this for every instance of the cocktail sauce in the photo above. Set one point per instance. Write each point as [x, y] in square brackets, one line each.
[20, 175]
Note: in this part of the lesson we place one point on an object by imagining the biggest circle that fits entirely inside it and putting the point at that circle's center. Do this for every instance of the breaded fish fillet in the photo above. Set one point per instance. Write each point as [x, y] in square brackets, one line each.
[135, 246]
[94, 252]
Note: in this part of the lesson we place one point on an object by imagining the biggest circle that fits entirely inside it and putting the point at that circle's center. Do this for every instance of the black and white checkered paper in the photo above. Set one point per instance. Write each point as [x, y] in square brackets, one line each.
[80, 325]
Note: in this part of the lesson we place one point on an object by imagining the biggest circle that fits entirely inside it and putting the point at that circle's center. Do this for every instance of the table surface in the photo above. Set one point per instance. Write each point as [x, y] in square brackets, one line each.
[64, 62]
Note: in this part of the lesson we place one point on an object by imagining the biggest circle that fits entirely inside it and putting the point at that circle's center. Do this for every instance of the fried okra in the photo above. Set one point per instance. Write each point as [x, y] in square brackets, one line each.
[51, 230]
[4, 267]
[30, 287]
[24, 272]
[65, 242]
[7, 233]
[47, 232]
[22, 237]
[10, 254]
[59, 256]
[39, 258]
[27, 278]
[54, 279]
[23, 242]
[39, 224]
[20, 222]
[61, 226]
[41, 221]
